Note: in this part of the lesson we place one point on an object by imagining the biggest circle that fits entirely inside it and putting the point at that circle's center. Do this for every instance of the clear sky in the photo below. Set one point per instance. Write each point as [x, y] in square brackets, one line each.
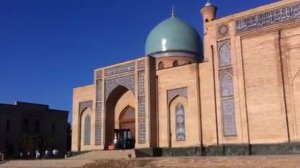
[48, 47]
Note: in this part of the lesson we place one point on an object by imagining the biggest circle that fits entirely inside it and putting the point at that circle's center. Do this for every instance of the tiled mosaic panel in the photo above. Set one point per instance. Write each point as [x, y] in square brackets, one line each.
[141, 64]
[224, 54]
[99, 90]
[126, 81]
[87, 130]
[229, 124]
[142, 130]
[98, 120]
[141, 119]
[98, 127]
[141, 82]
[274, 16]
[226, 85]
[180, 122]
[141, 106]
[119, 69]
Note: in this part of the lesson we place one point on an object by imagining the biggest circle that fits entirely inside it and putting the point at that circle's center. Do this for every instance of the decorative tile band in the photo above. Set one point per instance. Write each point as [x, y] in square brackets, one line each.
[141, 82]
[271, 17]
[226, 89]
[142, 130]
[99, 90]
[98, 121]
[119, 69]
[98, 129]
[141, 64]
[141, 107]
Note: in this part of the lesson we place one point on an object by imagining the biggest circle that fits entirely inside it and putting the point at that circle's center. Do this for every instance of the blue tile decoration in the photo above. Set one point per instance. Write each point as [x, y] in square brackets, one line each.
[116, 70]
[180, 122]
[226, 89]
[229, 125]
[141, 107]
[224, 54]
[87, 130]
[226, 85]
[99, 113]
[278, 15]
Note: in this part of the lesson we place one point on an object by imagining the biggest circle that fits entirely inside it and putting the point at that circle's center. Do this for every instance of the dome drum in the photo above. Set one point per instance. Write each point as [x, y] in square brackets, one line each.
[174, 61]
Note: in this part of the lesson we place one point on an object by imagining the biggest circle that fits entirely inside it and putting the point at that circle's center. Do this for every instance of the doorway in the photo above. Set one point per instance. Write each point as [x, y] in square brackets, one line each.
[127, 120]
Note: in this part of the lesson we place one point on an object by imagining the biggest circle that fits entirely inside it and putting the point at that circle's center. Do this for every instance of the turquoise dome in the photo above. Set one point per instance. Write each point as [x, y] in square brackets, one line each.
[172, 35]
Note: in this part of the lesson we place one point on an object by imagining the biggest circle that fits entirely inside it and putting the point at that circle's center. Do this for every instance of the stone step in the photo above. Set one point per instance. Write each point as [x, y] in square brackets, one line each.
[108, 154]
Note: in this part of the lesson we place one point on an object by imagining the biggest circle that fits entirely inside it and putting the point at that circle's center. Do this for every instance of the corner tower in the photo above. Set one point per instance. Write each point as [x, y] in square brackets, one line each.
[208, 13]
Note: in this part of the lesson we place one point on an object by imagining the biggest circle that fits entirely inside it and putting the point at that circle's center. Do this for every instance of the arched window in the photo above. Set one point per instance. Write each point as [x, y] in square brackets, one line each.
[228, 109]
[225, 56]
[175, 63]
[87, 130]
[160, 65]
[180, 122]
[226, 85]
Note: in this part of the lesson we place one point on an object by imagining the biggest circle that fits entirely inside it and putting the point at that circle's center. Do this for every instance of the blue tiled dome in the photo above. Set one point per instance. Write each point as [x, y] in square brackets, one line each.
[173, 34]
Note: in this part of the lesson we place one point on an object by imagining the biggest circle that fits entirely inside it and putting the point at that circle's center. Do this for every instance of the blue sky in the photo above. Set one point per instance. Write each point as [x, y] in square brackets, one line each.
[48, 47]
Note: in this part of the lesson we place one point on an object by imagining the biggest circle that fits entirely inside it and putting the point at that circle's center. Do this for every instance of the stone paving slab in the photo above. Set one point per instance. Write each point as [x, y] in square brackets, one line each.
[285, 161]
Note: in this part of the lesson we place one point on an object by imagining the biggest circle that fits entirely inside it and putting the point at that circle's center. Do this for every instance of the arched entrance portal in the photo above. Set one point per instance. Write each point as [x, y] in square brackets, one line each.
[120, 119]
[127, 121]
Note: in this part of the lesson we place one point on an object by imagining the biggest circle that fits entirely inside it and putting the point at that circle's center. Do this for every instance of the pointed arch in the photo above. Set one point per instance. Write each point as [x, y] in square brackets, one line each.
[110, 114]
[177, 121]
[127, 113]
[227, 104]
[127, 120]
[87, 130]
[127, 82]
[224, 55]
[226, 83]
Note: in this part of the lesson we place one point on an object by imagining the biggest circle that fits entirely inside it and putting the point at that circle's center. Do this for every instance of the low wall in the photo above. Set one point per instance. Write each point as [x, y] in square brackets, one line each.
[222, 150]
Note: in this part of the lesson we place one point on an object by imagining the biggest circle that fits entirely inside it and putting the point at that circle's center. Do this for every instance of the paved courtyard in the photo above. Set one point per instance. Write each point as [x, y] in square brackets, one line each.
[286, 161]
[291, 161]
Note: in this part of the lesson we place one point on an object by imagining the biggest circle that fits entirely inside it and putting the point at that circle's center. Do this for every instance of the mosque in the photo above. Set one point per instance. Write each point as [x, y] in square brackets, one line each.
[237, 91]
